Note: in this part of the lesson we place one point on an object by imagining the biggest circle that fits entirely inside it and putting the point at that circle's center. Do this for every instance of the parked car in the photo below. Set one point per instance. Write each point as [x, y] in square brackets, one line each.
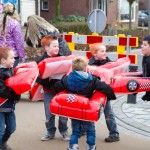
[142, 19]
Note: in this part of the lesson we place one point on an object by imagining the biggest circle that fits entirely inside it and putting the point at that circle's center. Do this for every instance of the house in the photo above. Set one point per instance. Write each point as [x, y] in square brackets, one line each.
[117, 11]
[143, 4]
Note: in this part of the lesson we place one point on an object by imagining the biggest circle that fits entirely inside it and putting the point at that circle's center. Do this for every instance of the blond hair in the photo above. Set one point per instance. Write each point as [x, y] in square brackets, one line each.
[37, 27]
[9, 12]
[79, 63]
[10, 8]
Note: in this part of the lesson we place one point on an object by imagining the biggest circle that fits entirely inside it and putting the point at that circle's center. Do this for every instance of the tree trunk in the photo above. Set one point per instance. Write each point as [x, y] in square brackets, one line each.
[57, 8]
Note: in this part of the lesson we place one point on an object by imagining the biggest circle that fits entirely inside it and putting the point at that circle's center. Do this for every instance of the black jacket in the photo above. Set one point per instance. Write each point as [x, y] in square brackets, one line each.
[95, 84]
[146, 66]
[48, 85]
[93, 61]
[5, 91]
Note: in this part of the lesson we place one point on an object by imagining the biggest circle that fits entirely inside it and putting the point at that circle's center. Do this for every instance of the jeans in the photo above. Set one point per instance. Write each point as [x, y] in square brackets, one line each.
[50, 118]
[7, 125]
[110, 120]
[76, 131]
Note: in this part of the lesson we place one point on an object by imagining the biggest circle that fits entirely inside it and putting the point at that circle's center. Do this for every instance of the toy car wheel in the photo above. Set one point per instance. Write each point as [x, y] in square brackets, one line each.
[132, 85]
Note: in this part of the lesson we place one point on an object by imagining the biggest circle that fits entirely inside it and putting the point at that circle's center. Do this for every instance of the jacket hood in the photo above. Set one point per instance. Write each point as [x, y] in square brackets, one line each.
[78, 80]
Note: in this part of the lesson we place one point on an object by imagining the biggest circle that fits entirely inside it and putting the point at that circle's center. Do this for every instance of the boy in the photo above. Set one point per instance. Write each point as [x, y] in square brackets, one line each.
[146, 63]
[50, 44]
[99, 58]
[83, 83]
[7, 114]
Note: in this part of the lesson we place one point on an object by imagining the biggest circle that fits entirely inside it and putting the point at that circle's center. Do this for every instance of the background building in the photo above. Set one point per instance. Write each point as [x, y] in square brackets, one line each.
[117, 11]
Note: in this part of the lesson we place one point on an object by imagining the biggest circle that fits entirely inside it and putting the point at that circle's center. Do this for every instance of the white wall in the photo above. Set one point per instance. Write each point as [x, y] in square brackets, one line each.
[27, 8]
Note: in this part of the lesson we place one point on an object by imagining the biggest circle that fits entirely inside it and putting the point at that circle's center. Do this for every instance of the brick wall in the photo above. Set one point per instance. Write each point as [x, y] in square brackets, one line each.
[112, 12]
[68, 7]
[143, 4]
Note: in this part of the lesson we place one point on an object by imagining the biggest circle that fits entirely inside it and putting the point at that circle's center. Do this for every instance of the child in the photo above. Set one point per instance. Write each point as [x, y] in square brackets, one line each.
[11, 32]
[146, 63]
[50, 44]
[7, 114]
[83, 83]
[99, 58]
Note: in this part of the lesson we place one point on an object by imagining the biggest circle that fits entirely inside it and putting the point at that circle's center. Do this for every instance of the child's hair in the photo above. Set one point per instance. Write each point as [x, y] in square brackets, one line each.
[95, 47]
[46, 40]
[10, 10]
[147, 38]
[79, 63]
[4, 52]
[37, 27]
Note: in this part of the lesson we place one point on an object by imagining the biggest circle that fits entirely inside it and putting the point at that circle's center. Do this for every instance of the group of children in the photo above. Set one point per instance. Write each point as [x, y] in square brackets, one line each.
[78, 81]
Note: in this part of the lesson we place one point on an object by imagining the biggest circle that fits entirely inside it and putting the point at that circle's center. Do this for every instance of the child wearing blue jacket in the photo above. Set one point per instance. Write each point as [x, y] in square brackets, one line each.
[83, 83]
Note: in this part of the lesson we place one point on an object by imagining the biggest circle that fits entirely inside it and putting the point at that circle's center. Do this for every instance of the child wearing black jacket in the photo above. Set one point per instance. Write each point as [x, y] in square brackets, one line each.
[7, 114]
[51, 46]
[99, 58]
[146, 63]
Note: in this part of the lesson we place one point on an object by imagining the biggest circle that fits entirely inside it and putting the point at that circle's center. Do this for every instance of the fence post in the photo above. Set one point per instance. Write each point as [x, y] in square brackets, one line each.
[131, 98]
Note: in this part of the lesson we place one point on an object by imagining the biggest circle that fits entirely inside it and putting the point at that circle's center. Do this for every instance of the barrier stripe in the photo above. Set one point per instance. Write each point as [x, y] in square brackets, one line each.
[132, 57]
[107, 40]
[94, 39]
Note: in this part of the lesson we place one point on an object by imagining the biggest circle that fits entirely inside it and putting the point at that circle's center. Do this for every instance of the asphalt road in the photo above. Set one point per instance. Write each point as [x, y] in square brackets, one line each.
[31, 127]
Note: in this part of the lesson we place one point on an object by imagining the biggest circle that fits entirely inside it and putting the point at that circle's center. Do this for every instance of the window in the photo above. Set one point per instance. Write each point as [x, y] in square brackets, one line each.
[124, 11]
[45, 5]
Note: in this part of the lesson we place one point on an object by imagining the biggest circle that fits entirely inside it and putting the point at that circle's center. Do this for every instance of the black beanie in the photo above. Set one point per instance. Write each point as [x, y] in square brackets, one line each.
[147, 38]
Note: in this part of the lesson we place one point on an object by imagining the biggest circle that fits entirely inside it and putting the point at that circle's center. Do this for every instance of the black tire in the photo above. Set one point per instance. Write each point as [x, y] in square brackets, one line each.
[132, 85]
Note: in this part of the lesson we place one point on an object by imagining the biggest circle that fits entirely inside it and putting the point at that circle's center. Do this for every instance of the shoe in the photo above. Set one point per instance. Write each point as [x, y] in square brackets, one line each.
[146, 97]
[5, 147]
[73, 147]
[66, 137]
[112, 139]
[92, 147]
[47, 137]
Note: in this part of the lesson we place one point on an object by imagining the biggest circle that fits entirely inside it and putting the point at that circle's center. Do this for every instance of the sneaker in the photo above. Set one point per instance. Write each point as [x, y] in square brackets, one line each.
[90, 147]
[73, 147]
[47, 137]
[146, 97]
[5, 147]
[112, 139]
[66, 137]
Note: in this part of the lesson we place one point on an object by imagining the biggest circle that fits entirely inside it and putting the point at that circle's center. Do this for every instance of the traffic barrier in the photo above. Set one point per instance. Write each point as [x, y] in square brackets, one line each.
[106, 40]
[120, 41]
[121, 49]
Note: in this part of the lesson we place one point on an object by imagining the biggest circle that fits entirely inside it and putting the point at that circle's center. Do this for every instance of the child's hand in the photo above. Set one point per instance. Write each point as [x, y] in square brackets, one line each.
[18, 97]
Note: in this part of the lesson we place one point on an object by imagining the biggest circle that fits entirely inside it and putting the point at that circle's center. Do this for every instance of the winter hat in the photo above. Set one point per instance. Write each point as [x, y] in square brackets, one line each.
[147, 38]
